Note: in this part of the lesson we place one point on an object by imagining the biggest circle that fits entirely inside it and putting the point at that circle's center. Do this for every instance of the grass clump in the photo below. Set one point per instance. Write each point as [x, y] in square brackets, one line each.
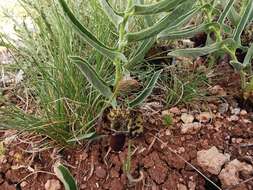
[66, 104]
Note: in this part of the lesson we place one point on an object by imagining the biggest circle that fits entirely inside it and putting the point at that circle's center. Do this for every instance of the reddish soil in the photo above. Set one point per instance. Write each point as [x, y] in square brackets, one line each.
[162, 154]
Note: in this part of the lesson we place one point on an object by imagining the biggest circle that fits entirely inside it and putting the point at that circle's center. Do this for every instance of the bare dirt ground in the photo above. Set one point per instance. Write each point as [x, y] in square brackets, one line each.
[210, 142]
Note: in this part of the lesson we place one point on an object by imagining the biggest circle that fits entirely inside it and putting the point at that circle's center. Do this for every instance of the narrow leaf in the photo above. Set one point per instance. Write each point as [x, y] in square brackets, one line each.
[186, 33]
[145, 45]
[180, 15]
[111, 13]
[245, 19]
[65, 176]
[161, 6]
[234, 17]
[91, 75]
[142, 50]
[147, 91]
[196, 52]
[226, 11]
[249, 55]
[89, 37]
[82, 137]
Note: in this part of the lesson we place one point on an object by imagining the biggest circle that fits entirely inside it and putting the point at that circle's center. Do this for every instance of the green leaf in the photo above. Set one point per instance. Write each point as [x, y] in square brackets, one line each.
[248, 57]
[226, 11]
[186, 33]
[111, 13]
[89, 37]
[141, 51]
[237, 65]
[196, 52]
[234, 17]
[161, 6]
[82, 137]
[91, 75]
[145, 45]
[147, 91]
[245, 19]
[65, 176]
[180, 15]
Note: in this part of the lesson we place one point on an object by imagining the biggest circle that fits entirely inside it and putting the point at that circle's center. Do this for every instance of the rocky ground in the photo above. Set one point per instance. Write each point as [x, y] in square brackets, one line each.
[209, 146]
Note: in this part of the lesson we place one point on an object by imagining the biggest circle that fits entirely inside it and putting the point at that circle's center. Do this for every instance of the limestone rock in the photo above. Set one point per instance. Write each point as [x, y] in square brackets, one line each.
[187, 118]
[53, 184]
[190, 128]
[229, 176]
[212, 160]
[204, 117]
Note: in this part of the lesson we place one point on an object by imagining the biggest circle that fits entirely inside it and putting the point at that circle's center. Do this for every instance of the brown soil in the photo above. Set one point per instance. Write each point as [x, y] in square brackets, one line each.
[165, 156]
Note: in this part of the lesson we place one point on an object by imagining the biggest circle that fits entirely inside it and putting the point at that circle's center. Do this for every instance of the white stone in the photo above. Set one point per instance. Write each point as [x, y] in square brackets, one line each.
[187, 118]
[190, 128]
[181, 187]
[229, 176]
[175, 110]
[236, 111]
[212, 160]
[243, 112]
[233, 118]
[204, 117]
[53, 184]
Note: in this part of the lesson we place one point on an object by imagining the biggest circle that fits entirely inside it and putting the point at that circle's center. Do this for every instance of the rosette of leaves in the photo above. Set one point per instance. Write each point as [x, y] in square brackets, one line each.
[238, 19]
[172, 14]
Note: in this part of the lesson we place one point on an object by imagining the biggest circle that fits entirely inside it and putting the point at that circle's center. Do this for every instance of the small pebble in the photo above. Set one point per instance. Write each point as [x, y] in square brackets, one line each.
[243, 112]
[236, 111]
[223, 108]
[23, 184]
[175, 110]
[233, 118]
[187, 118]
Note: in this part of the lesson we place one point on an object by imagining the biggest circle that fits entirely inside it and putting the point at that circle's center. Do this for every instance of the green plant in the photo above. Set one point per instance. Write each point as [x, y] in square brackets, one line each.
[65, 176]
[177, 14]
[227, 38]
[60, 101]
[167, 120]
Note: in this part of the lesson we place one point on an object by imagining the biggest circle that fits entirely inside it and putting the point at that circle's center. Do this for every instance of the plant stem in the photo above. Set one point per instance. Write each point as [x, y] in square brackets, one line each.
[121, 45]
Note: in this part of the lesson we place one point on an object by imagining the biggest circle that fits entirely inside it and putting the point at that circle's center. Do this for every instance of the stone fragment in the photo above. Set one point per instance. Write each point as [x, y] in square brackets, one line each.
[217, 90]
[230, 175]
[190, 128]
[53, 184]
[223, 108]
[212, 160]
[243, 112]
[192, 185]
[233, 118]
[100, 172]
[175, 110]
[187, 118]
[181, 187]
[235, 111]
[204, 117]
